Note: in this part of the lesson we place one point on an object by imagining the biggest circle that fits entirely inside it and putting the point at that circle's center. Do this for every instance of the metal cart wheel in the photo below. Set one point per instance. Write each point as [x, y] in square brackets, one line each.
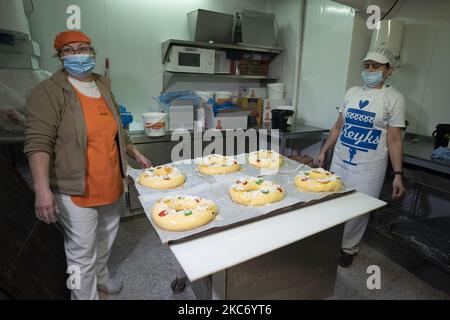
[178, 285]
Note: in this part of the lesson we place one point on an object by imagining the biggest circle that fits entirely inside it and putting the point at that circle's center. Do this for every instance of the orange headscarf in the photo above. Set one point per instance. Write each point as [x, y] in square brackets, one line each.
[66, 37]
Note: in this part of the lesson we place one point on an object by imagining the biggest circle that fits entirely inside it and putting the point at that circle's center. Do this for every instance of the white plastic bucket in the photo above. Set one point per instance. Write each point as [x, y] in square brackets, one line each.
[154, 123]
[223, 96]
[275, 90]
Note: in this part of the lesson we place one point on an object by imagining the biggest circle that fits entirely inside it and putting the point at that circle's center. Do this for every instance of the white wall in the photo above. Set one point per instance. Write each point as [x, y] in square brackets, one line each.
[325, 58]
[130, 33]
[360, 43]
[335, 40]
[287, 13]
[423, 77]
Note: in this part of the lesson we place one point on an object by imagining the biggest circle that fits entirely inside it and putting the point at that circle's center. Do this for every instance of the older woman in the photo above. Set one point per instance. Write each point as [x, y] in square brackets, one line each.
[77, 148]
[369, 126]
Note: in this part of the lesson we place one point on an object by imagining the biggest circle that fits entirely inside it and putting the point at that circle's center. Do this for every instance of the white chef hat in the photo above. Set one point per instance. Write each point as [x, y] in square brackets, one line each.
[381, 55]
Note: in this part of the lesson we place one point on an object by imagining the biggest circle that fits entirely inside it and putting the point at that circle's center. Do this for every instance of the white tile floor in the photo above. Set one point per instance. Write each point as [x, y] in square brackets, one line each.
[147, 268]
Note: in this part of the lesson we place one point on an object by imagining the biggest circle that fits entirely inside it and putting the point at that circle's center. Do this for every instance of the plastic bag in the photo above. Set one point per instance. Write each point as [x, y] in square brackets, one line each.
[166, 99]
[228, 105]
[441, 153]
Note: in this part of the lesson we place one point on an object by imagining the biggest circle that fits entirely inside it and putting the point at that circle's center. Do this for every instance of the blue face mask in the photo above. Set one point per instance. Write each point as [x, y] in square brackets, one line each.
[79, 64]
[372, 79]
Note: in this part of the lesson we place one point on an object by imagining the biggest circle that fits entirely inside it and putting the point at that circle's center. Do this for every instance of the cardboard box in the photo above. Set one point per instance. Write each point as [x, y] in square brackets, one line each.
[227, 119]
[253, 105]
[181, 115]
[249, 67]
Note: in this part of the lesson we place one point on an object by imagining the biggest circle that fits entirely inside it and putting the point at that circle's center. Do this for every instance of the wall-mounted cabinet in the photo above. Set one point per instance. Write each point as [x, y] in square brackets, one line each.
[201, 60]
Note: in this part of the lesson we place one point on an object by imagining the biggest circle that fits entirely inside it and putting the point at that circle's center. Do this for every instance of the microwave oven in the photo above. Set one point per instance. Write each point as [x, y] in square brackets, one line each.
[190, 59]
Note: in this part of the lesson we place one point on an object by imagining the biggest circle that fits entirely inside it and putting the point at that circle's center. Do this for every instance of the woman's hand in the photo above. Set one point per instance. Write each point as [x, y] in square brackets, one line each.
[45, 206]
[331, 140]
[142, 160]
[139, 157]
[398, 190]
[320, 160]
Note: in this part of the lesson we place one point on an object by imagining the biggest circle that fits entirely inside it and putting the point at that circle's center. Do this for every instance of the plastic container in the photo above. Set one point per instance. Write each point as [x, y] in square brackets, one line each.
[154, 123]
[199, 122]
[276, 90]
[255, 28]
[210, 26]
[223, 96]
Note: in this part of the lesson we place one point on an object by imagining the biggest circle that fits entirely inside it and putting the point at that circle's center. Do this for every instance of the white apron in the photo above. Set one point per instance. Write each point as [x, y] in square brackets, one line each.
[361, 153]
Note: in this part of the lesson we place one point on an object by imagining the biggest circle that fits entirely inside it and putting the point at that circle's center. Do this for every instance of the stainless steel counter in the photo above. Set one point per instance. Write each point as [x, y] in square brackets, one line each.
[301, 129]
[297, 130]
[417, 151]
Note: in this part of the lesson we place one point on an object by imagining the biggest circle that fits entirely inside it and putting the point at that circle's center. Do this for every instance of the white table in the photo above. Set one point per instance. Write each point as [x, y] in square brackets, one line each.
[291, 255]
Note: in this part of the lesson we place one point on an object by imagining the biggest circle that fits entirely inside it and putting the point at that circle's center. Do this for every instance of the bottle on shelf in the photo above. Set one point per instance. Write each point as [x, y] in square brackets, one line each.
[267, 120]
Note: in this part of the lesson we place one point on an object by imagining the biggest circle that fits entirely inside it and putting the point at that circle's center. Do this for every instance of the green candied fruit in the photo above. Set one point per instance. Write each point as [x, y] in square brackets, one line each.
[259, 181]
[188, 213]
[306, 173]
[265, 191]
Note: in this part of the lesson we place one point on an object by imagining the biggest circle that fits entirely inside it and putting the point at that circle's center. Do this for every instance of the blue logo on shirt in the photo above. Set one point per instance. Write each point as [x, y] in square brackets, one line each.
[363, 104]
[358, 133]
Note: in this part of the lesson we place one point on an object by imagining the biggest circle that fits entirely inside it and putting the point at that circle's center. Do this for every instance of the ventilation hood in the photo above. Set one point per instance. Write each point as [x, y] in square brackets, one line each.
[19, 68]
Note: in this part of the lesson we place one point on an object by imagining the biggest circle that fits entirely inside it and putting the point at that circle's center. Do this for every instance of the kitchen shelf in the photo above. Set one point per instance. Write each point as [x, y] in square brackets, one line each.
[272, 52]
[219, 75]
[168, 43]
[168, 76]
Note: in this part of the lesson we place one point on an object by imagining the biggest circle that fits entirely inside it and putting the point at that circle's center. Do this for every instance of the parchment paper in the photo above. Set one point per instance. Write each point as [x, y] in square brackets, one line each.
[217, 187]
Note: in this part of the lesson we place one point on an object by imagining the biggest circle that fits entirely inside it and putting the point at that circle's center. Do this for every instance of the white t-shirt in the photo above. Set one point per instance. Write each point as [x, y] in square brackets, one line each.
[87, 88]
[367, 113]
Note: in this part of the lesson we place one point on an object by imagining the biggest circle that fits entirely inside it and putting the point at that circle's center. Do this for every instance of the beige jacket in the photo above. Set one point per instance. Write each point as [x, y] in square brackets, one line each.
[55, 124]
